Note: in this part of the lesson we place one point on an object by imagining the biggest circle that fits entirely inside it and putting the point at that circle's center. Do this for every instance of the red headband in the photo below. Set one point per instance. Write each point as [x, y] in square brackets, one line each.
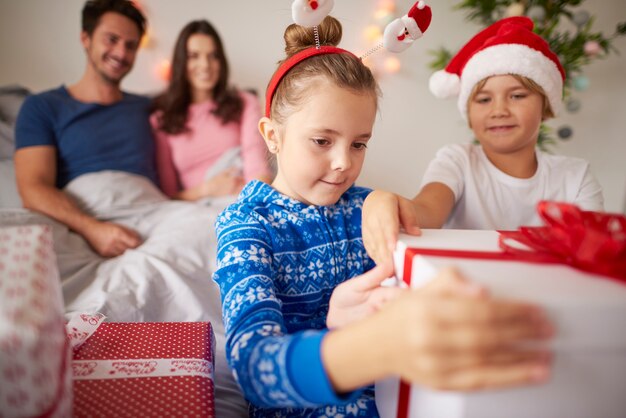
[291, 62]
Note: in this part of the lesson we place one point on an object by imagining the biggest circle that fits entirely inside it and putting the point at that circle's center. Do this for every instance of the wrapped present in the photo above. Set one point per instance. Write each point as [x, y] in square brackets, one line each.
[573, 267]
[35, 379]
[144, 370]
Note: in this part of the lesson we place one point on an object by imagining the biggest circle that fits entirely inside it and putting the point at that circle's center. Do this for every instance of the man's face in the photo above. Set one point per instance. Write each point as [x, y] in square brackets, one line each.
[112, 47]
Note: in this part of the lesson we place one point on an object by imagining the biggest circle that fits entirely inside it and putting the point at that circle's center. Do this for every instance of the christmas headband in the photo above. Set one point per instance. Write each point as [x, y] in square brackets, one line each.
[398, 36]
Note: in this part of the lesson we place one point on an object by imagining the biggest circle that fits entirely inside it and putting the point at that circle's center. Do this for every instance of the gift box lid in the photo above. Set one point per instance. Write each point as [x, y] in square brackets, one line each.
[586, 309]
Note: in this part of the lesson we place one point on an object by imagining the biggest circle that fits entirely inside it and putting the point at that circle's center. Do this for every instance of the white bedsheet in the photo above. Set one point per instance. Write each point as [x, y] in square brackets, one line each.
[167, 278]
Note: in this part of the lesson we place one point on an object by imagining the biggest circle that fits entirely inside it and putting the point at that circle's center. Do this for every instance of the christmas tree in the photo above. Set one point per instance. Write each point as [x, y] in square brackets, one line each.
[564, 25]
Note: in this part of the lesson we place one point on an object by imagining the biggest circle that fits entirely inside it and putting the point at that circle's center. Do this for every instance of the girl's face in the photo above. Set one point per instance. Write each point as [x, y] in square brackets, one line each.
[505, 116]
[203, 66]
[321, 147]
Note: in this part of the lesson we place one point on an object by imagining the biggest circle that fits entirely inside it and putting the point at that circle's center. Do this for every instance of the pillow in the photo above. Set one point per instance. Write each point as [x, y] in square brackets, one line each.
[9, 197]
[11, 99]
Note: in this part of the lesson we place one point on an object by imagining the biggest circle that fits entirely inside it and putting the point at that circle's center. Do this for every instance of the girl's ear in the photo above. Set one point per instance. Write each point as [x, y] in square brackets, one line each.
[269, 132]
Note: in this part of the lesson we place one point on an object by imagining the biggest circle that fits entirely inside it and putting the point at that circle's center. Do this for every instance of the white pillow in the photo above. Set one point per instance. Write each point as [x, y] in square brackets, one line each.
[9, 197]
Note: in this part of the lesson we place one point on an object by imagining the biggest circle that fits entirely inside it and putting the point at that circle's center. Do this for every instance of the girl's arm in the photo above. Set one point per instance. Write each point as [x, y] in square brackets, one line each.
[448, 335]
[168, 178]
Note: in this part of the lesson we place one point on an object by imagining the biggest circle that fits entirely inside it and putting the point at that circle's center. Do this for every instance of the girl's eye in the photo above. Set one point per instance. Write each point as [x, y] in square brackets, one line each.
[360, 145]
[519, 95]
[321, 141]
[482, 100]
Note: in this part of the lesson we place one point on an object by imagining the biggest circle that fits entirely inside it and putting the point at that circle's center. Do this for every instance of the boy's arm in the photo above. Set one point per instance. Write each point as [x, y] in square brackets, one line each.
[35, 171]
[433, 205]
[384, 213]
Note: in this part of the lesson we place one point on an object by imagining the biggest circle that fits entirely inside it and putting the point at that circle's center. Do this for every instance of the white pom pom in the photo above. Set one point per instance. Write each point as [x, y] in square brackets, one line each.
[444, 85]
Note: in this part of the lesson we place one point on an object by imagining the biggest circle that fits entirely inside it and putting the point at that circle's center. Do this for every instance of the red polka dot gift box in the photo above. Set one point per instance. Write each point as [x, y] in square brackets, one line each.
[145, 370]
[35, 379]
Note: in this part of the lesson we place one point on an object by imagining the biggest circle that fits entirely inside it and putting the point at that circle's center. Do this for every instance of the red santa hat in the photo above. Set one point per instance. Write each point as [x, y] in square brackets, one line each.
[508, 46]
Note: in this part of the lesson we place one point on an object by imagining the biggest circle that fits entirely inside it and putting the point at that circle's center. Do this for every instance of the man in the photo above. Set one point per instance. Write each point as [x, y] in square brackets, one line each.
[87, 127]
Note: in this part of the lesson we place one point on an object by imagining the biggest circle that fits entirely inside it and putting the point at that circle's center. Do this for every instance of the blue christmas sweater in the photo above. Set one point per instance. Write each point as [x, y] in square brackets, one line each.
[278, 262]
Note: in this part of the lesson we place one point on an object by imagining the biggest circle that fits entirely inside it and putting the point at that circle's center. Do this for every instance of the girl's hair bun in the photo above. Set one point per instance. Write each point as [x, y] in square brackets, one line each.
[299, 37]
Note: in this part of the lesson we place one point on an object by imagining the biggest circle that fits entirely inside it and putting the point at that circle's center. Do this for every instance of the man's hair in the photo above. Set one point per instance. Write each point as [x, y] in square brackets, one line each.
[94, 9]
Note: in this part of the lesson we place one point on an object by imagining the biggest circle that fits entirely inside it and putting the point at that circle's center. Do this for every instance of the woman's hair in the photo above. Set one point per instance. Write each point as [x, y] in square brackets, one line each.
[342, 69]
[546, 112]
[174, 102]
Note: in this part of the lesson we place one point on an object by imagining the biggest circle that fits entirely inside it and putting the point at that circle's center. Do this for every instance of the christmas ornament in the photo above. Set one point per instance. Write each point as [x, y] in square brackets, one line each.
[572, 105]
[580, 82]
[581, 17]
[592, 48]
[537, 13]
[565, 132]
[508, 46]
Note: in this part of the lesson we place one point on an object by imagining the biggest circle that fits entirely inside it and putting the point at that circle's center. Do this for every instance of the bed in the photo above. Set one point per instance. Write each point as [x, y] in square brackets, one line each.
[166, 279]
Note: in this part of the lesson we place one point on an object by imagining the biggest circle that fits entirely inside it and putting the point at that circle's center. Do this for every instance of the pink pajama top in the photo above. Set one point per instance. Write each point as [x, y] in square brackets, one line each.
[183, 159]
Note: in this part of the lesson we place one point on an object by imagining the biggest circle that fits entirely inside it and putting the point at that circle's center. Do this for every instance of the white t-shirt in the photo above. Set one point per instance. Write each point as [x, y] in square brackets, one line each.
[487, 198]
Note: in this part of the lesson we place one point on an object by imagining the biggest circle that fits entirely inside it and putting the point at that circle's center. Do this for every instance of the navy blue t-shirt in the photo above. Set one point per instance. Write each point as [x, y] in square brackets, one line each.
[89, 137]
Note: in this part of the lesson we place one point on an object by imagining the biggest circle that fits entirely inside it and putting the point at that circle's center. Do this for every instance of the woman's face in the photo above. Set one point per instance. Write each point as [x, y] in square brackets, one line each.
[203, 66]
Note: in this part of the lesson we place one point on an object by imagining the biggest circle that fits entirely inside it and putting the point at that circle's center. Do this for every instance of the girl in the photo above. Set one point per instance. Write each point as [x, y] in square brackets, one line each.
[508, 81]
[203, 128]
[286, 252]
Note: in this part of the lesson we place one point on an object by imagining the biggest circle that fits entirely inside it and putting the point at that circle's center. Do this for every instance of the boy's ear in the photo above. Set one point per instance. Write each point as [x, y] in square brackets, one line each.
[269, 132]
[85, 39]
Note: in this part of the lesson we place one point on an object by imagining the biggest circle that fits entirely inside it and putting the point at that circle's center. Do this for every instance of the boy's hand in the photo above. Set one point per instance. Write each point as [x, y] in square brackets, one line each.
[383, 213]
[360, 296]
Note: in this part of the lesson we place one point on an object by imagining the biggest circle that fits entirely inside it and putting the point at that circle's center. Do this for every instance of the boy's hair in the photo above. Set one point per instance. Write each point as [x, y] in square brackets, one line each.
[342, 69]
[94, 9]
[546, 112]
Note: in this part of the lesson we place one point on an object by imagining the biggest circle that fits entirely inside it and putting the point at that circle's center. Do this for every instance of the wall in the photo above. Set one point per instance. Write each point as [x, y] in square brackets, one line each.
[39, 45]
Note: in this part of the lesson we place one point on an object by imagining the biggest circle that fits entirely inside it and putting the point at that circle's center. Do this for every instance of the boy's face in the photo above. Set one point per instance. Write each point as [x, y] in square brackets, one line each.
[505, 116]
[112, 47]
[321, 147]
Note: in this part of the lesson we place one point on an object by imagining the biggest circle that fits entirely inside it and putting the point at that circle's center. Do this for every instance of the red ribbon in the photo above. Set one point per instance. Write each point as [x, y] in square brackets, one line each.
[591, 241]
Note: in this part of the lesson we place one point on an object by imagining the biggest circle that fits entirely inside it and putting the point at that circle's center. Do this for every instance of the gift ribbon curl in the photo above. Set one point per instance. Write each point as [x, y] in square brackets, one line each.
[594, 242]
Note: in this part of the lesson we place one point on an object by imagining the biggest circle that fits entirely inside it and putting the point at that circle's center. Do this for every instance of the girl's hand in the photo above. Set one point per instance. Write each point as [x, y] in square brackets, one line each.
[360, 296]
[450, 335]
[383, 213]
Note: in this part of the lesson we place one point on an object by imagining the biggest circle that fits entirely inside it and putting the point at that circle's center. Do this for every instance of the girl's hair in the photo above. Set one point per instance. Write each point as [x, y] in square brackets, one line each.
[546, 112]
[343, 70]
[174, 102]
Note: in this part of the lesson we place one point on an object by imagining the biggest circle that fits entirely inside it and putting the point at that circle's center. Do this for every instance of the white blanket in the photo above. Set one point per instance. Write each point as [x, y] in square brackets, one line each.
[166, 279]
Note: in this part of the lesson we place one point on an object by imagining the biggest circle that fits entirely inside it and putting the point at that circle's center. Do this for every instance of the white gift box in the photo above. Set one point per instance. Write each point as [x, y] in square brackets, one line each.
[588, 376]
[35, 378]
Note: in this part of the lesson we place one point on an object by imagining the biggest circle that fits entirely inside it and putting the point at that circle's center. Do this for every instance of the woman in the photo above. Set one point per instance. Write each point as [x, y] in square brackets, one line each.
[206, 132]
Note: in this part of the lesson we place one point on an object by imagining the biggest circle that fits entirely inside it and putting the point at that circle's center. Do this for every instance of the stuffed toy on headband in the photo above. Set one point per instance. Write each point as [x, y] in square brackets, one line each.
[310, 13]
[508, 46]
[401, 32]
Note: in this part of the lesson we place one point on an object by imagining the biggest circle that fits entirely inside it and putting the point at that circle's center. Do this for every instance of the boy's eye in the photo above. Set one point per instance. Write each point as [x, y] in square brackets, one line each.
[360, 145]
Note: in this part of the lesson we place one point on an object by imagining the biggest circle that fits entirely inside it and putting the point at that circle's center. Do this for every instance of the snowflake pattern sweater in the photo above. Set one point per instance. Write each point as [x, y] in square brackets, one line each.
[278, 262]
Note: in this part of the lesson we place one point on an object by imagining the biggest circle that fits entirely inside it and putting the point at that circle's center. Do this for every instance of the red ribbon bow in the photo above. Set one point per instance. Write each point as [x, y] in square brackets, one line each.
[590, 241]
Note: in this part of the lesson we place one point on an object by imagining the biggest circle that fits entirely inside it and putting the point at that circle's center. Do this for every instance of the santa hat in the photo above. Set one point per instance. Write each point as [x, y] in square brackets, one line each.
[417, 20]
[508, 46]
